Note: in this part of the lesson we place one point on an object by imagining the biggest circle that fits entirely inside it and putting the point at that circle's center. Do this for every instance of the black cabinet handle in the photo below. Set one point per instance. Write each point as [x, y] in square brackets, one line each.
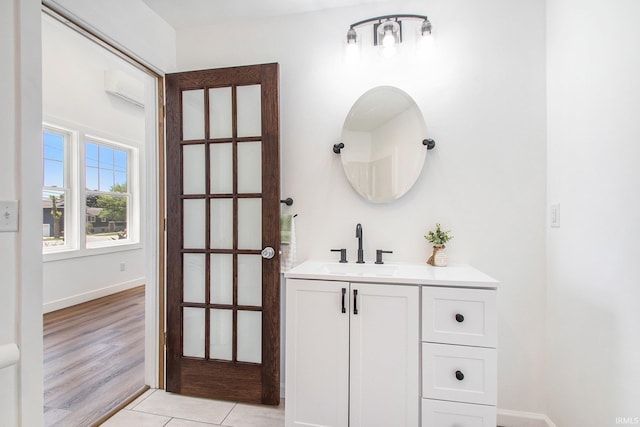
[459, 375]
[344, 292]
[355, 301]
[459, 318]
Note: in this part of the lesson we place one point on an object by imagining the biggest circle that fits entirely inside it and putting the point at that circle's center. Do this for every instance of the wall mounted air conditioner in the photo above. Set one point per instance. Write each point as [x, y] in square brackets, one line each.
[124, 86]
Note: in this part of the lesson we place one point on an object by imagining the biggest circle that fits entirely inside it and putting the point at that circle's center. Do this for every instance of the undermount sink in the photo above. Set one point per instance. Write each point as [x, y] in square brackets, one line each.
[360, 269]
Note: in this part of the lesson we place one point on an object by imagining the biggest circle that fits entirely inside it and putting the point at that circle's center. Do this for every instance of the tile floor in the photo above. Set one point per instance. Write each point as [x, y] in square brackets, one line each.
[157, 408]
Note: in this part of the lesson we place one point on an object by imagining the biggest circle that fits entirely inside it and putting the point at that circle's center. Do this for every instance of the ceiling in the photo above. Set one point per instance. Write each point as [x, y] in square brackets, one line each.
[190, 13]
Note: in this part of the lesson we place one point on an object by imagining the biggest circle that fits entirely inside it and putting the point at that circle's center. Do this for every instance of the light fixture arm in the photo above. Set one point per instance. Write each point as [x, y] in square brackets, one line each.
[381, 20]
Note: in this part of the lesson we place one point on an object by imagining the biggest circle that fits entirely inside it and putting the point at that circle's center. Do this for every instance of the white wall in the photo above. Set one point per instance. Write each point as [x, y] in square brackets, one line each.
[127, 24]
[483, 99]
[8, 191]
[20, 291]
[21, 399]
[74, 97]
[593, 133]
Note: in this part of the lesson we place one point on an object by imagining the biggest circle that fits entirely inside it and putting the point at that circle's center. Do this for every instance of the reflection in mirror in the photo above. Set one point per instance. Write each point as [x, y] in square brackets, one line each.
[383, 152]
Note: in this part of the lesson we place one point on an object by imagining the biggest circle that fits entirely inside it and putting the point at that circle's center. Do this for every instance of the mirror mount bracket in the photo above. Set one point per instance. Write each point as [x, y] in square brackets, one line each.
[337, 147]
[430, 143]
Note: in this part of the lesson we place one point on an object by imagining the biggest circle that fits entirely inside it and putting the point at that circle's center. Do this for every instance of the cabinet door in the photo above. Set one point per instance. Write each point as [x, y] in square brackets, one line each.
[317, 354]
[384, 355]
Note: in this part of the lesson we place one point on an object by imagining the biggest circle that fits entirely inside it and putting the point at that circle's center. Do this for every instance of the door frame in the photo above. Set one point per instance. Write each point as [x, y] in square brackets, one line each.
[155, 224]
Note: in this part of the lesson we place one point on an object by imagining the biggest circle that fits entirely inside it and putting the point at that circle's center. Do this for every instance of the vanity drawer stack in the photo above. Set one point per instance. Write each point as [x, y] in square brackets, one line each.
[459, 360]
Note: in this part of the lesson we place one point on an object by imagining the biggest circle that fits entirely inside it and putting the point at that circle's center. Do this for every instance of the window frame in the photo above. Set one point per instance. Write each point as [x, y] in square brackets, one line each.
[69, 190]
[133, 234]
[75, 214]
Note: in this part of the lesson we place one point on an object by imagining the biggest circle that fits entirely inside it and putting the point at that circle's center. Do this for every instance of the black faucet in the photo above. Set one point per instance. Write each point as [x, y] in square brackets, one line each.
[359, 237]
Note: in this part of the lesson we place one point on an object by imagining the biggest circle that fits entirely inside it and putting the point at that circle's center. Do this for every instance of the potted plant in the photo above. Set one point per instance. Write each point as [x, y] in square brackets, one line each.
[438, 238]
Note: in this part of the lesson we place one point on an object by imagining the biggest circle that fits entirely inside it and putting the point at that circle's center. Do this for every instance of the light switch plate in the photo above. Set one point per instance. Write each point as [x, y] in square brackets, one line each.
[9, 215]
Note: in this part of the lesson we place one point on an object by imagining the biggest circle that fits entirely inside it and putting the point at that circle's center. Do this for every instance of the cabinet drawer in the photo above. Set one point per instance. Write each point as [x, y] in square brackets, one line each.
[459, 316]
[440, 413]
[458, 373]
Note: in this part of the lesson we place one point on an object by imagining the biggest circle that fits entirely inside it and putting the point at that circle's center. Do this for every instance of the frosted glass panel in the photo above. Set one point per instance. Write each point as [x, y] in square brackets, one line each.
[250, 167]
[250, 280]
[221, 338]
[249, 223]
[193, 169]
[249, 111]
[222, 279]
[193, 332]
[194, 224]
[194, 275]
[221, 168]
[250, 336]
[193, 114]
[220, 125]
[221, 223]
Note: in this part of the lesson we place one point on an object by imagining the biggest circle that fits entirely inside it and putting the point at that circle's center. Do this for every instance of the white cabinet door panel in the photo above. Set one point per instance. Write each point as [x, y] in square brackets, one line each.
[384, 356]
[317, 354]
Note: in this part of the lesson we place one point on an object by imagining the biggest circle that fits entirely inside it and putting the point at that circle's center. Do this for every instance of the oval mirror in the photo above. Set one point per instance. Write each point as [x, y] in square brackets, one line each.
[383, 152]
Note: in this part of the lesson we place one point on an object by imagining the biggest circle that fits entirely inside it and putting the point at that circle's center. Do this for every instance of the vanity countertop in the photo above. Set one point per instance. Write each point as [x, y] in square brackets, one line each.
[455, 275]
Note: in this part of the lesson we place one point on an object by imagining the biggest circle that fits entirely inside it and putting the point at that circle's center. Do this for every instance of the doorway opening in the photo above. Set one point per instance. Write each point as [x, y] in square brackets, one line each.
[102, 204]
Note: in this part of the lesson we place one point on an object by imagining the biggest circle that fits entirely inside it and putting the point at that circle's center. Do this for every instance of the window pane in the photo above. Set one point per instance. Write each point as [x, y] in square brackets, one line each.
[92, 179]
[106, 157]
[106, 180]
[53, 148]
[53, 218]
[193, 114]
[120, 160]
[53, 173]
[109, 214]
[121, 182]
[91, 154]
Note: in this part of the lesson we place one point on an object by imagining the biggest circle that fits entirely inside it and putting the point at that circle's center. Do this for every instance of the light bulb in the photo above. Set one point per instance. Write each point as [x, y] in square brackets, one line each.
[388, 40]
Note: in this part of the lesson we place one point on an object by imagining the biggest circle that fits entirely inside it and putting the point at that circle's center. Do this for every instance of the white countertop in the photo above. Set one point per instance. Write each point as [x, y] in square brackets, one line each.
[456, 275]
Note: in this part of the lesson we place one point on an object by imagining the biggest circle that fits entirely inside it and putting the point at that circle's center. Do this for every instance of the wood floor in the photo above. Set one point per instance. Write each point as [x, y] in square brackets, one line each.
[93, 358]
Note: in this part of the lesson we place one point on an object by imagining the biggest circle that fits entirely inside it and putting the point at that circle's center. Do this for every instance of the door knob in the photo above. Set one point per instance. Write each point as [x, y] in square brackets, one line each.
[268, 252]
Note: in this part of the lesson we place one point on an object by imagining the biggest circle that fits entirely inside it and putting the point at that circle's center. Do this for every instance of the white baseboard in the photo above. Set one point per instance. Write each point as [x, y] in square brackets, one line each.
[508, 418]
[91, 295]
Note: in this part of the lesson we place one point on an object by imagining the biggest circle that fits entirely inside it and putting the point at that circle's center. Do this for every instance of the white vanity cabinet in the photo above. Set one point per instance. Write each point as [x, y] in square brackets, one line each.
[401, 345]
[352, 354]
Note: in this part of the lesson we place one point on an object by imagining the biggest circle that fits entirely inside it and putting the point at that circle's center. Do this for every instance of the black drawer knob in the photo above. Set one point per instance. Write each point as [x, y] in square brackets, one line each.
[459, 375]
[459, 318]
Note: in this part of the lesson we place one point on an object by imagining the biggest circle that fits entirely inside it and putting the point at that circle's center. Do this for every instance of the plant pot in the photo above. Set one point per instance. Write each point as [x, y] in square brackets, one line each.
[439, 257]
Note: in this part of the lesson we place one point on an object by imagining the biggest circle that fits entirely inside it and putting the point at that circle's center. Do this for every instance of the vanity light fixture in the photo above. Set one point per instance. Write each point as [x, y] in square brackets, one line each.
[387, 29]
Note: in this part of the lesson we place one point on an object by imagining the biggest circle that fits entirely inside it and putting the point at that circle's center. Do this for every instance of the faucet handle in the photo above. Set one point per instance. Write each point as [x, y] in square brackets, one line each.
[343, 254]
[379, 253]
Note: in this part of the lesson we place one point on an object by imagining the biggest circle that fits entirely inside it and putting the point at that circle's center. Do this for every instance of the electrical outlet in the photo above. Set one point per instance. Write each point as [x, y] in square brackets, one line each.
[9, 215]
[555, 215]
[122, 266]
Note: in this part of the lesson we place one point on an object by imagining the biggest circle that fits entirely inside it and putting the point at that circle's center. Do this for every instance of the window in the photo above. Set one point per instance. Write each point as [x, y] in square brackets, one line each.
[56, 195]
[97, 213]
[107, 197]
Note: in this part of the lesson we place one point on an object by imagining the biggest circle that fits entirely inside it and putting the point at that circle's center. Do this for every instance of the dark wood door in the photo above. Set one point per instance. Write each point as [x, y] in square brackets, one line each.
[223, 216]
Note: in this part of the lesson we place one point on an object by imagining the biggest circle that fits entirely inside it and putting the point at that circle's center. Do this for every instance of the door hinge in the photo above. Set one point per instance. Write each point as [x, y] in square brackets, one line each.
[165, 339]
[165, 224]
